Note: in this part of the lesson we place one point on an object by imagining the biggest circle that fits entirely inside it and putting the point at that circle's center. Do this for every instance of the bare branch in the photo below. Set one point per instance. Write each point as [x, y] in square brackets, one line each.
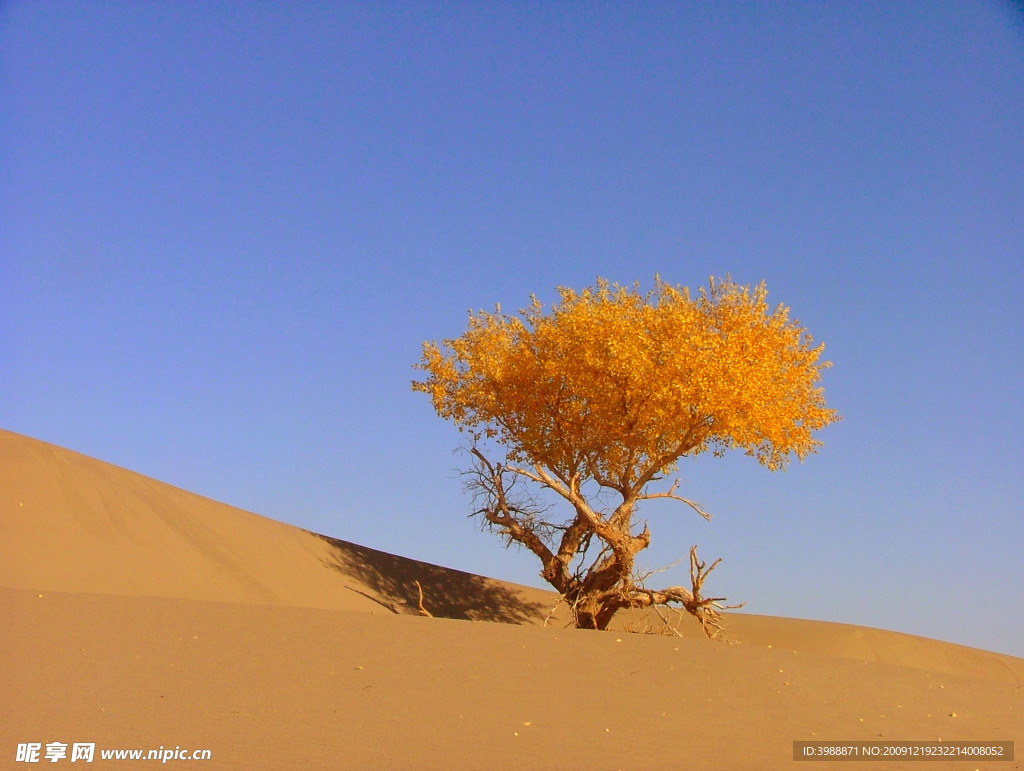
[640, 578]
[603, 481]
[670, 493]
[668, 626]
[516, 522]
[553, 609]
[691, 440]
[704, 609]
[542, 478]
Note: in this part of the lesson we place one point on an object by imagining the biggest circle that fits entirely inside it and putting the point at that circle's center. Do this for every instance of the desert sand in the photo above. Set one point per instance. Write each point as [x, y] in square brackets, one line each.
[138, 615]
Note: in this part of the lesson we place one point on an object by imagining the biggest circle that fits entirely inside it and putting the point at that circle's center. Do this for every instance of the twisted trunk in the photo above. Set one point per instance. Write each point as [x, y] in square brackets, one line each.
[596, 594]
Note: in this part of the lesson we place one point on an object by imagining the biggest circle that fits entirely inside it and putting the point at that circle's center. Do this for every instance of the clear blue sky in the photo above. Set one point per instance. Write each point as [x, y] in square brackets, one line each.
[226, 229]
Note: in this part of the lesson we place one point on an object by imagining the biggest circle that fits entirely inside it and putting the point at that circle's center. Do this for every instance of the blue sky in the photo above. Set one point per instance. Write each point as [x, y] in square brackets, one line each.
[226, 229]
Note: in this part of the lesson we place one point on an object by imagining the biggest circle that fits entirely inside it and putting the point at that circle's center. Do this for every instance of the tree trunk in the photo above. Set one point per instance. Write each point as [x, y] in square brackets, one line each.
[596, 611]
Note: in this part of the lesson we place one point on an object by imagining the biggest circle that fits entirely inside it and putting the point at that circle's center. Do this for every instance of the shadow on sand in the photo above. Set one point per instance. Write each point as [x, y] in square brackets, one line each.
[447, 593]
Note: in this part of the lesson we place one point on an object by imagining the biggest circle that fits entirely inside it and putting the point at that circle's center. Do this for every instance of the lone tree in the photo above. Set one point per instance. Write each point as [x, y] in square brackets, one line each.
[600, 397]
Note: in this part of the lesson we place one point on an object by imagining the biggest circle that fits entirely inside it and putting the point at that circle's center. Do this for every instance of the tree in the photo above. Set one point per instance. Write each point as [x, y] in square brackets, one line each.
[599, 398]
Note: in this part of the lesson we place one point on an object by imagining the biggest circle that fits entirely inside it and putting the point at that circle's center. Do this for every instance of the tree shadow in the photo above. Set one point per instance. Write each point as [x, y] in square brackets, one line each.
[391, 581]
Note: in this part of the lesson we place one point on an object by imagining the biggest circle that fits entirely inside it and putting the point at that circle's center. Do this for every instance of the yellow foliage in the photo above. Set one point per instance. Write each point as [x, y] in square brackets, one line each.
[615, 385]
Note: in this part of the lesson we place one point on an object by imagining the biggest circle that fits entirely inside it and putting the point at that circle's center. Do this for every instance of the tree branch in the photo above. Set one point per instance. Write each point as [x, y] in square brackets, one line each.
[671, 494]
[500, 512]
[687, 443]
[539, 476]
[705, 609]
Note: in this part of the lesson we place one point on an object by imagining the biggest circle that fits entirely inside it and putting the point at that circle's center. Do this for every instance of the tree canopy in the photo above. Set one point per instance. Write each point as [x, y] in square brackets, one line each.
[613, 386]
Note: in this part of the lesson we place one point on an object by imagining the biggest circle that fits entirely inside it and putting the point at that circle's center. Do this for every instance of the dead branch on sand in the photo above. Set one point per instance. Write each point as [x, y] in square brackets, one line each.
[704, 609]
[423, 611]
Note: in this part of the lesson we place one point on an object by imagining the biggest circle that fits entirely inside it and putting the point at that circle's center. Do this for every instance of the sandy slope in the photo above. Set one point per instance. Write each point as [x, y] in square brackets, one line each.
[72, 523]
[138, 615]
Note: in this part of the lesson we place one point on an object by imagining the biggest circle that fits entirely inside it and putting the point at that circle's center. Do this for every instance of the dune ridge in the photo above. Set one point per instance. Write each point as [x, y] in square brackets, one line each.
[138, 614]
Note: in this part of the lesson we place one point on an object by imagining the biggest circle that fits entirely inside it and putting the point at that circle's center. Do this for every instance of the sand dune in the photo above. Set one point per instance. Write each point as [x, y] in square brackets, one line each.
[137, 615]
[72, 523]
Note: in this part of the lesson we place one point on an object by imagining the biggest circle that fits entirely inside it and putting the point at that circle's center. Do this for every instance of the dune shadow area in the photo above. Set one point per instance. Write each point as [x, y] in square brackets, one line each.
[391, 581]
